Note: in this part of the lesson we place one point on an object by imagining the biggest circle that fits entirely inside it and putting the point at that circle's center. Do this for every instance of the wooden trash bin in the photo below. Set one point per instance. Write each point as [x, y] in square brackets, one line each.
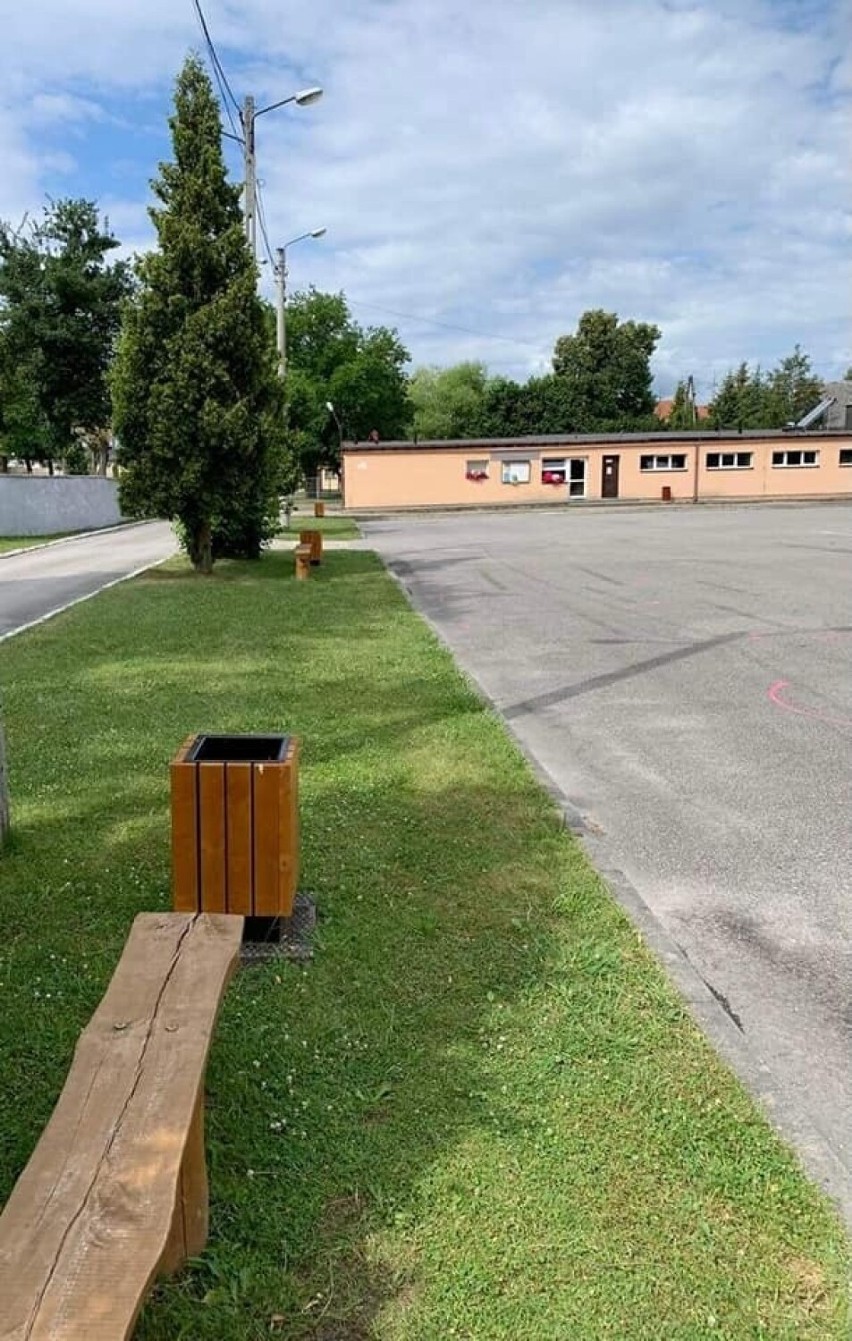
[314, 539]
[303, 561]
[235, 825]
[319, 509]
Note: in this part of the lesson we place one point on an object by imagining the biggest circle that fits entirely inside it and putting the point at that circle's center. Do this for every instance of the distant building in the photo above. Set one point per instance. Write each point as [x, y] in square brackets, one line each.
[837, 399]
[567, 468]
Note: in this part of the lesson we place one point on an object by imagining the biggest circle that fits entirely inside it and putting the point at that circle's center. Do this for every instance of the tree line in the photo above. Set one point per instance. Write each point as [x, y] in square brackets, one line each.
[601, 383]
[172, 357]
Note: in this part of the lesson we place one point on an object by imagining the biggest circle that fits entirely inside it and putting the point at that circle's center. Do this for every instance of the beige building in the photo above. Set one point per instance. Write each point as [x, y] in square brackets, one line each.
[630, 466]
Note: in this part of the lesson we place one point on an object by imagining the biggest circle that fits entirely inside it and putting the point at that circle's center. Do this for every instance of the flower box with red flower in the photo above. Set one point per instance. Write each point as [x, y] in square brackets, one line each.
[552, 477]
[476, 475]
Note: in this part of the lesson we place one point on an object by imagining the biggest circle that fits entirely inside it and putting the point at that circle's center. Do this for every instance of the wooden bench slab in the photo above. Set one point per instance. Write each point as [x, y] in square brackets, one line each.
[116, 1190]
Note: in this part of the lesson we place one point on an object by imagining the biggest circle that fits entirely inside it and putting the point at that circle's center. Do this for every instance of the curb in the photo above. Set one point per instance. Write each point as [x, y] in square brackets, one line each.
[814, 1152]
[68, 539]
[592, 505]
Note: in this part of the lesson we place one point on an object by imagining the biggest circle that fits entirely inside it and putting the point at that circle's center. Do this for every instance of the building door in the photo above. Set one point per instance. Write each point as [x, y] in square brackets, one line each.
[609, 478]
[577, 477]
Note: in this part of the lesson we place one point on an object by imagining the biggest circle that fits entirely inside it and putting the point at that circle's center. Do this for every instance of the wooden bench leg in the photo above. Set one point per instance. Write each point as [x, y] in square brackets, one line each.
[303, 562]
[190, 1223]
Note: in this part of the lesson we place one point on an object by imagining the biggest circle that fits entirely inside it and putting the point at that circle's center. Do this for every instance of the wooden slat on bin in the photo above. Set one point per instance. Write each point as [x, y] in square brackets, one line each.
[266, 840]
[186, 894]
[240, 856]
[288, 830]
[211, 807]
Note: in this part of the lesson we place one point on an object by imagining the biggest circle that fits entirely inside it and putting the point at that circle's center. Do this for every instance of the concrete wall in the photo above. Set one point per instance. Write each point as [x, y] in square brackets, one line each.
[40, 505]
[421, 475]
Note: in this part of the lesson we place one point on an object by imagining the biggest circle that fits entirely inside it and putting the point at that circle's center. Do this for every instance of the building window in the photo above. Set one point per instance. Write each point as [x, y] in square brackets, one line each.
[476, 470]
[516, 472]
[677, 462]
[795, 458]
[729, 460]
[554, 470]
[846, 456]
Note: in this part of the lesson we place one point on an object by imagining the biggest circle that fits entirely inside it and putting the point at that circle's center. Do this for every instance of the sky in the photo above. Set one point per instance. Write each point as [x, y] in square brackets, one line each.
[487, 171]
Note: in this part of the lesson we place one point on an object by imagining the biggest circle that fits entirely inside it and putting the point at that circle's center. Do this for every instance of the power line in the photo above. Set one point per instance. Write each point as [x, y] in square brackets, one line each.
[816, 368]
[449, 326]
[225, 89]
[261, 218]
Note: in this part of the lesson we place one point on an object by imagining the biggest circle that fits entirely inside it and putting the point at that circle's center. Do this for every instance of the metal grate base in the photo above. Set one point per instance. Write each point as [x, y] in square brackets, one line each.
[267, 938]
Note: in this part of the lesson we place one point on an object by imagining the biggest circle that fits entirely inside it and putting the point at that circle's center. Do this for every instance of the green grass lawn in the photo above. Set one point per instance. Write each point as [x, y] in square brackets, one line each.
[24, 541]
[481, 1112]
[336, 528]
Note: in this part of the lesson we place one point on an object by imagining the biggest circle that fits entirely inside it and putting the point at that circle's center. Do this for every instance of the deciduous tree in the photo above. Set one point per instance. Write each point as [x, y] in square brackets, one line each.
[59, 320]
[606, 368]
[330, 357]
[448, 402]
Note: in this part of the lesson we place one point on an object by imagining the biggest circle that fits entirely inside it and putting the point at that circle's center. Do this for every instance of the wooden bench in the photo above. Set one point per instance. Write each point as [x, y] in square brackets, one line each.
[303, 561]
[115, 1193]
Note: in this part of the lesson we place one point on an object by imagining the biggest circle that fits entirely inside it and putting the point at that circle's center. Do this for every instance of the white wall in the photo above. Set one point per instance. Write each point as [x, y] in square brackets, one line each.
[39, 505]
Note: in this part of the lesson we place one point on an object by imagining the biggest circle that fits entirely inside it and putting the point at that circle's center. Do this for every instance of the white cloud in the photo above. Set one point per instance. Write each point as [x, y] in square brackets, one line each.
[503, 166]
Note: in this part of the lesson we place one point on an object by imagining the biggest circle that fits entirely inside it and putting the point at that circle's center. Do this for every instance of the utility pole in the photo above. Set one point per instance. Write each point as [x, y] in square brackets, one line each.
[249, 116]
[281, 295]
[280, 311]
[250, 175]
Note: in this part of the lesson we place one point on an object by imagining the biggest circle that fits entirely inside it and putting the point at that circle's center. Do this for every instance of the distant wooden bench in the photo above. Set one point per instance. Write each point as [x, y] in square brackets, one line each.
[303, 561]
[115, 1193]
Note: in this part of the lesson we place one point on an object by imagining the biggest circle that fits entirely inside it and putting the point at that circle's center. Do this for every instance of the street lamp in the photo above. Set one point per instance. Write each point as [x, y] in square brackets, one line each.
[305, 98]
[330, 407]
[281, 285]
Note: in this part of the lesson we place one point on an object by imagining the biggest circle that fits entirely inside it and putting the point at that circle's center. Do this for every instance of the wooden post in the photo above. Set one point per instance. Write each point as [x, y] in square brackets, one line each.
[4, 787]
[319, 509]
[190, 1221]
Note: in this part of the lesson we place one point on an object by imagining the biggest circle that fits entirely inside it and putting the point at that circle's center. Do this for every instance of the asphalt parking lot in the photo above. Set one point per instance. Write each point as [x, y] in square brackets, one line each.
[685, 676]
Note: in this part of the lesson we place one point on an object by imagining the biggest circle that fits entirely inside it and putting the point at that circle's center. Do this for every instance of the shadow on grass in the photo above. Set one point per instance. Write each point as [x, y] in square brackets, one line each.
[272, 566]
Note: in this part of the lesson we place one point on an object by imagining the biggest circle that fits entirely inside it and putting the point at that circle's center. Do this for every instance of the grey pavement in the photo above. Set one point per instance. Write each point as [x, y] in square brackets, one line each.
[37, 582]
[685, 678]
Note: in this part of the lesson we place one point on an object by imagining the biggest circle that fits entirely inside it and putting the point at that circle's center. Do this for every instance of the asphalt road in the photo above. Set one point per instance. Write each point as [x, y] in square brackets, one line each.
[685, 676]
[37, 582]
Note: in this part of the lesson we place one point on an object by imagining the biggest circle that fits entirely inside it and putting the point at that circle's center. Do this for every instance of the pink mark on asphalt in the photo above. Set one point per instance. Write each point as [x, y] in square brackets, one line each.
[774, 695]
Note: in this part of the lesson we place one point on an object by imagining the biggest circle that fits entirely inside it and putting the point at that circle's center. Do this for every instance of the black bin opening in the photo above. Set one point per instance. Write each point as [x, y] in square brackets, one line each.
[238, 749]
